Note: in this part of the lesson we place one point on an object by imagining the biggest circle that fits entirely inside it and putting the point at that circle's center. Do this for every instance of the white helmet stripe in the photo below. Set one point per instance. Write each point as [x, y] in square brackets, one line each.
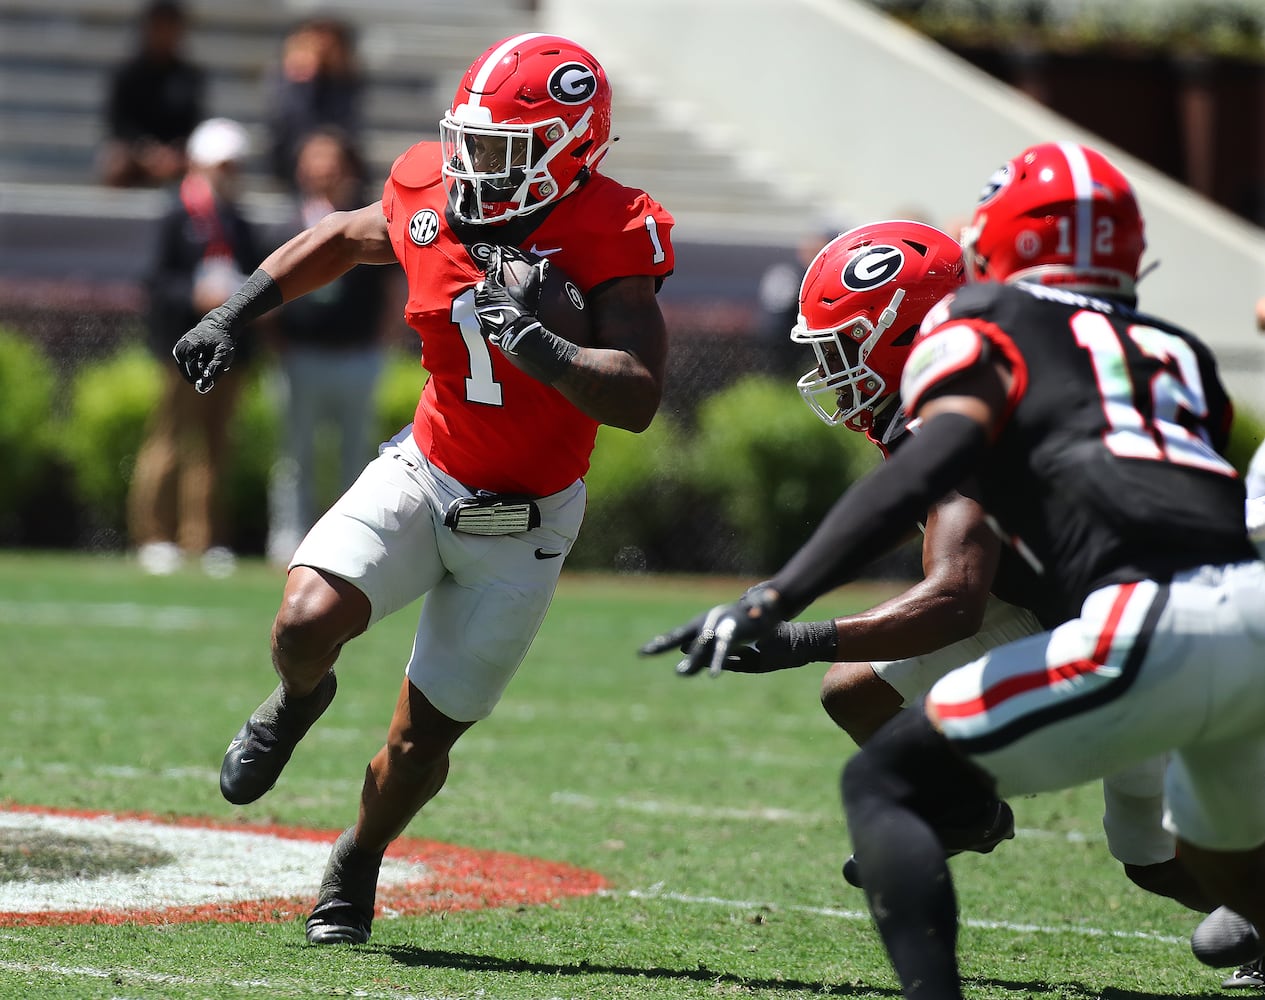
[493, 60]
[1083, 186]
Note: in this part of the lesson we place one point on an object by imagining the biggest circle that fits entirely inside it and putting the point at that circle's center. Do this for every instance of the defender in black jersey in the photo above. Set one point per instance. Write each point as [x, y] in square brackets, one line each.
[976, 593]
[1091, 430]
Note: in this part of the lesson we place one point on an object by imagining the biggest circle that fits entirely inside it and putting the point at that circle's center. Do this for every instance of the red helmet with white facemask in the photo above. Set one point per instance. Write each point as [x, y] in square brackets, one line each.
[530, 120]
[860, 304]
[1058, 214]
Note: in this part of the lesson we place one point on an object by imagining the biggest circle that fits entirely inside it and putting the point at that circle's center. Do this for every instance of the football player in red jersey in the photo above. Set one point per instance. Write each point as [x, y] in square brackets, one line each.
[1092, 433]
[478, 501]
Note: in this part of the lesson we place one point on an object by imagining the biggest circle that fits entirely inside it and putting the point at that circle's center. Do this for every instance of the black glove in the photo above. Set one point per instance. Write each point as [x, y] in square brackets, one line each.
[507, 313]
[791, 644]
[507, 318]
[206, 351]
[709, 638]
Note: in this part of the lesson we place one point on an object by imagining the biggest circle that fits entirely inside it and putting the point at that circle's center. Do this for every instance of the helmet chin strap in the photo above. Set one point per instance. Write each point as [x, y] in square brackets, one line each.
[968, 241]
[538, 172]
[888, 316]
[558, 145]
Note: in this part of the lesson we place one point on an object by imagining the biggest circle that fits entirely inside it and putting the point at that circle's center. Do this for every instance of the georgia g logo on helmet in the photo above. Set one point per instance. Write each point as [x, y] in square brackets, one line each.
[572, 83]
[875, 266]
[999, 179]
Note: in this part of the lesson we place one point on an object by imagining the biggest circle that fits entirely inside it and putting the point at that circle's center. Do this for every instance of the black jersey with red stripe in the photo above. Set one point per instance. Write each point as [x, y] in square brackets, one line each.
[1108, 467]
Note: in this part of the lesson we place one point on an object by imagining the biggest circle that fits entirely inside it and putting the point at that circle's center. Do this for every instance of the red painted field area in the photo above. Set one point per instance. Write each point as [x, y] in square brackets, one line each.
[237, 872]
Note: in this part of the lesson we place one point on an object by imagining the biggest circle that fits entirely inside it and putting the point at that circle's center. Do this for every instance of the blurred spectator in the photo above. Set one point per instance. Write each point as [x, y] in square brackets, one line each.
[779, 301]
[331, 352]
[204, 249]
[318, 83]
[155, 100]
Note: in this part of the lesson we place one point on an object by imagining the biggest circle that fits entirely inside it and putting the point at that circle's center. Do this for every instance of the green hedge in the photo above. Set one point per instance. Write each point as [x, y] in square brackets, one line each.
[27, 390]
[770, 468]
[109, 402]
[1246, 435]
[737, 490]
[398, 391]
[638, 515]
[1233, 28]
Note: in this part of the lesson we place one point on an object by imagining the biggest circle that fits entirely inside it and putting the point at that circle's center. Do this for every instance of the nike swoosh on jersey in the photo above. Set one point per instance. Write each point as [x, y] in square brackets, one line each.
[543, 253]
[542, 554]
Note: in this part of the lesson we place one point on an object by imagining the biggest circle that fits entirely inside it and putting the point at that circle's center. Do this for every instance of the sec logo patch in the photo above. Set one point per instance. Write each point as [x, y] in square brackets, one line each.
[424, 227]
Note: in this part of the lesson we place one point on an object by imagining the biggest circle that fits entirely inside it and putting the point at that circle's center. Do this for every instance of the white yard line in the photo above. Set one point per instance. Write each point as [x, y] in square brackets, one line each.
[657, 892]
[655, 807]
[83, 615]
[289, 988]
[651, 806]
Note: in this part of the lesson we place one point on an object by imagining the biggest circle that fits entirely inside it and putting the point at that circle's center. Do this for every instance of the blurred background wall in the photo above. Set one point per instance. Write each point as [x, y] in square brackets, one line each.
[763, 125]
[851, 110]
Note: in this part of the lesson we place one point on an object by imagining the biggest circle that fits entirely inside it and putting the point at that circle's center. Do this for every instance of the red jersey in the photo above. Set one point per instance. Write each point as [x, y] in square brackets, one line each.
[480, 419]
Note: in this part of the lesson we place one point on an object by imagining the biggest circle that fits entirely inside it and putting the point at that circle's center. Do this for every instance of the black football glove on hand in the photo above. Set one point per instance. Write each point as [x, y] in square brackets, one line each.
[711, 637]
[206, 351]
[507, 318]
[791, 644]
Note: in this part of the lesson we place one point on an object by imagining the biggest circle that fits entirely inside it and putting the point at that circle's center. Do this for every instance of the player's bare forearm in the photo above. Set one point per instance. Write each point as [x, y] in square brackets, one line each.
[619, 380]
[331, 247]
[917, 621]
[959, 563]
[613, 387]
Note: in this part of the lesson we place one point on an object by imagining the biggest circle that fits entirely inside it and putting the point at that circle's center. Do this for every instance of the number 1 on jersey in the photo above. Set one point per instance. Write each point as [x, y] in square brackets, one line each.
[481, 387]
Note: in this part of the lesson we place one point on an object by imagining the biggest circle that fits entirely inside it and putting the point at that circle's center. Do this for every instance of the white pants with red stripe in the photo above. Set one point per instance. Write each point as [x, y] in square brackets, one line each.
[1146, 669]
[1133, 799]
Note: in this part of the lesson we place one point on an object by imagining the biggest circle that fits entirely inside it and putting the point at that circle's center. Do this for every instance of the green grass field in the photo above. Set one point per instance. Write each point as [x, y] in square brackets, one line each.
[709, 806]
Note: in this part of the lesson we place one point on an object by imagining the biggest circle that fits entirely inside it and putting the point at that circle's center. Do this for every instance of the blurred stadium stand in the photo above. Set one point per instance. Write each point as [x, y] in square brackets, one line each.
[64, 241]
[727, 112]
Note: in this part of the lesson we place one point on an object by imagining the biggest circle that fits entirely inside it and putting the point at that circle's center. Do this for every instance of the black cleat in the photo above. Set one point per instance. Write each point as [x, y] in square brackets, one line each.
[336, 921]
[1250, 976]
[980, 838]
[344, 910]
[852, 872]
[977, 838]
[262, 747]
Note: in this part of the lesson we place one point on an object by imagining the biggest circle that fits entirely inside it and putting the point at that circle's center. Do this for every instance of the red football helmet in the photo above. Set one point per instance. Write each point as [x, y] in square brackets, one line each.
[1057, 214]
[860, 304]
[531, 118]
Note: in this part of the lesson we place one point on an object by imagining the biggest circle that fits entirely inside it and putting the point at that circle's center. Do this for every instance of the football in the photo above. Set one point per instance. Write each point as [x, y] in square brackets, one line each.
[562, 307]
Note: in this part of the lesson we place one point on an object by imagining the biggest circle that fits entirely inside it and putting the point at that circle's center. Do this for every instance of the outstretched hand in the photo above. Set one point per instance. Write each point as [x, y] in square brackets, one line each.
[709, 639]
